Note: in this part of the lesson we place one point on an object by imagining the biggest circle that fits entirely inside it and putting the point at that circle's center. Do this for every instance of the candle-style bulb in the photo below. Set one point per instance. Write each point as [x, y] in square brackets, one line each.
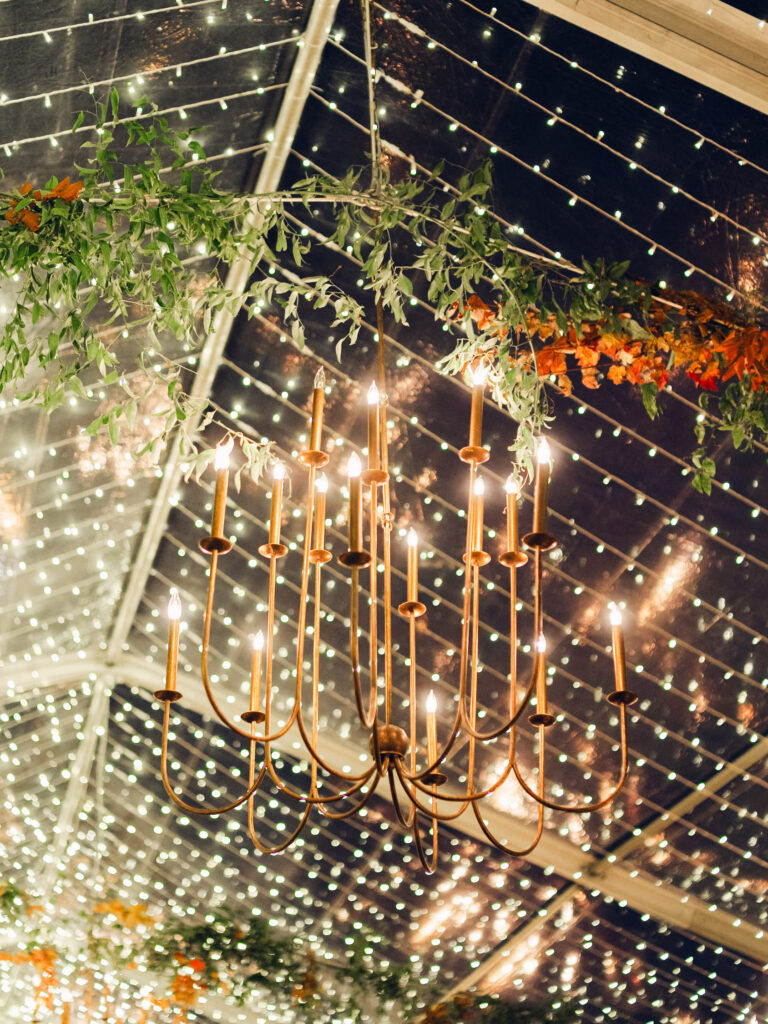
[431, 703]
[373, 394]
[543, 453]
[221, 459]
[278, 472]
[354, 467]
[257, 641]
[616, 616]
[479, 487]
[174, 605]
[412, 538]
[479, 375]
[541, 644]
[512, 485]
[321, 483]
[320, 378]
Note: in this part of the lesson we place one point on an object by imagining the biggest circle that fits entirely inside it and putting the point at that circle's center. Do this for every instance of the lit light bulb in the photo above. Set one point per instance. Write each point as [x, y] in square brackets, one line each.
[321, 484]
[174, 605]
[257, 640]
[354, 467]
[479, 375]
[279, 471]
[616, 616]
[431, 703]
[320, 378]
[221, 459]
[541, 644]
[479, 487]
[373, 394]
[543, 453]
[412, 538]
[512, 485]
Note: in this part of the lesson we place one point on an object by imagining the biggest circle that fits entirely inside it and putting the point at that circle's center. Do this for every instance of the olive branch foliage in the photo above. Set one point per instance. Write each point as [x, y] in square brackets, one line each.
[109, 289]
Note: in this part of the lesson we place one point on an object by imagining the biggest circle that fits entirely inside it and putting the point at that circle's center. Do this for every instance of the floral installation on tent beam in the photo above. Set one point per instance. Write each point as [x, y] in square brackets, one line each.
[223, 955]
[105, 278]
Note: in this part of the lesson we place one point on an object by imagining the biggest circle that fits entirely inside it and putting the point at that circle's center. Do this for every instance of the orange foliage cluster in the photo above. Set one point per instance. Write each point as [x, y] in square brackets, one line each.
[44, 961]
[29, 217]
[709, 354]
[130, 917]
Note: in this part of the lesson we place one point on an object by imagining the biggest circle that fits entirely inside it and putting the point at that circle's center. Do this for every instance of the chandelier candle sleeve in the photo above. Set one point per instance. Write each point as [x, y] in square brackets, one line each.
[321, 489]
[355, 503]
[478, 496]
[478, 376]
[318, 403]
[617, 642]
[221, 465]
[256, 655]
[277, 503]
[373, 426]
[512, 488]
[541, 491]
[431, 727]
[541, 676]
[174, 617]
[413, 565]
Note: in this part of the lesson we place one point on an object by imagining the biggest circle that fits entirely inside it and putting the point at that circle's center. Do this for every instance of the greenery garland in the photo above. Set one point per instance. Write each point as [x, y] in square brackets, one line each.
[245, 961]
[105, 276]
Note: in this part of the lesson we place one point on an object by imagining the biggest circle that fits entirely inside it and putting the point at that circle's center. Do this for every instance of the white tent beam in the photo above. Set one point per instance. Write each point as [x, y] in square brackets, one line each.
[294, 100]
[706, 40]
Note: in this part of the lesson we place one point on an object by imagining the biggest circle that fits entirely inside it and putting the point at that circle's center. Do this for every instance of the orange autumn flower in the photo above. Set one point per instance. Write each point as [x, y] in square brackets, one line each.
[65, 190]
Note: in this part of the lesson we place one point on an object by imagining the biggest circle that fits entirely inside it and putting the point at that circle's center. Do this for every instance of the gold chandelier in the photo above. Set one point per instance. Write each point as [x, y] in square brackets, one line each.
[417, 781]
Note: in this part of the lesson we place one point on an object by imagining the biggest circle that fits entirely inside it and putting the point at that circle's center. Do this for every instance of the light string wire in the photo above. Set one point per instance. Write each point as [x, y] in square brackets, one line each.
[574, 65]
[571, 193]
[141, 75]
[181, 5]
[562, 627]
[53, 137]
[632, 162]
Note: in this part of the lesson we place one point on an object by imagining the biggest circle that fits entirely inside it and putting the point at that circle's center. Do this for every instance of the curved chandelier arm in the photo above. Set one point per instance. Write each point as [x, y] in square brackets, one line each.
[429, 868]
[246, 735]
[323, 764]
[262, 847]
[367, 718]
[582, 808]
[484, 737]
[405, 821]
[503, 846]
[190, 808]
[341, 815]
[463, 799]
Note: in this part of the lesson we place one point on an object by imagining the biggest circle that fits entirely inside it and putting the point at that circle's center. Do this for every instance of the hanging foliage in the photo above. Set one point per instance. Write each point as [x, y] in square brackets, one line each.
[182, 961]
[108, 283]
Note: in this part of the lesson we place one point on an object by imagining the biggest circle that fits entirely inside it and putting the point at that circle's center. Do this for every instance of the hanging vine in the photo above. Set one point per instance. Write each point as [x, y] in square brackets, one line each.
[107, 287]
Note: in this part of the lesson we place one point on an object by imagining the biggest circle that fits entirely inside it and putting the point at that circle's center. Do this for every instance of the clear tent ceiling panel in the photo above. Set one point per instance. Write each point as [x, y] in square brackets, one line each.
[580, 168]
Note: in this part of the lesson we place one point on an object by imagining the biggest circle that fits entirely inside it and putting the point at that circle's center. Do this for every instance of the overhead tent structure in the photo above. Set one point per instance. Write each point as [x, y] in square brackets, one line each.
[653, 911]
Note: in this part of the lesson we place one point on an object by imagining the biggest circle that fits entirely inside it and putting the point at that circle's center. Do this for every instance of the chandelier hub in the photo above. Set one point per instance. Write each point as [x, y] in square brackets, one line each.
[393, 741]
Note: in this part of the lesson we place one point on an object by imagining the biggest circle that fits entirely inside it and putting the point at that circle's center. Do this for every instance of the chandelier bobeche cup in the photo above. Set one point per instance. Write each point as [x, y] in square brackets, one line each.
[417, 780]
